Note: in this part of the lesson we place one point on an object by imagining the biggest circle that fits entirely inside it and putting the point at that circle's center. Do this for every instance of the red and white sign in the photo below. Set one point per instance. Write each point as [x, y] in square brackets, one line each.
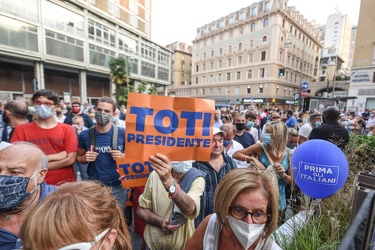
[304, 93]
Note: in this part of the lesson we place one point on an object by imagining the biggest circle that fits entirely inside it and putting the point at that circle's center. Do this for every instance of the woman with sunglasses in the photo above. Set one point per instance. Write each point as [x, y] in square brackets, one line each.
[80, 216]
[246, 212]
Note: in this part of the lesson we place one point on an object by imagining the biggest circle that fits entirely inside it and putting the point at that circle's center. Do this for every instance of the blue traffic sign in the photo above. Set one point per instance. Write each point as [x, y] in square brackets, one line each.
[305, 85]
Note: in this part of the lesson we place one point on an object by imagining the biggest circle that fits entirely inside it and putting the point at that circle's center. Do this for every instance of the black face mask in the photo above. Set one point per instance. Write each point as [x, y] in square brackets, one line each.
[291, 145]
[240, 126]
[5, 118]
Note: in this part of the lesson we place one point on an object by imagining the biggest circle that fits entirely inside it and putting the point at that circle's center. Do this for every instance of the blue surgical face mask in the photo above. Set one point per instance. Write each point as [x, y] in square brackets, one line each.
[13, 191]
[317, 124]
[115, 119]
[249, 124]
[226, 143]
[182, 166]
[43, 111]
[266, 138]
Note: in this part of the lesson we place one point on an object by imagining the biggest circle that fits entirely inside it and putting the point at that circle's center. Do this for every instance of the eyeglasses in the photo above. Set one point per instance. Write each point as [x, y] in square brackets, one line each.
[239, 213]
[47, 104]
[85, 245]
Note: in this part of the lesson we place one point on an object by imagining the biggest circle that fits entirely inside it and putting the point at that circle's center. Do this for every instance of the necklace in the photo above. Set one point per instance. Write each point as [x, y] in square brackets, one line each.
[7, 214]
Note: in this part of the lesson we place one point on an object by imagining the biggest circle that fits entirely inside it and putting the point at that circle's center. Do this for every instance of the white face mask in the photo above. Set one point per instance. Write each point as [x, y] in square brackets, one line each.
[182, 166]
[247, 234]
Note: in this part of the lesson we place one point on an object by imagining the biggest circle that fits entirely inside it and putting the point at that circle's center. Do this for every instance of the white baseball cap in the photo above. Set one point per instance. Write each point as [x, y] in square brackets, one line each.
[217, 130]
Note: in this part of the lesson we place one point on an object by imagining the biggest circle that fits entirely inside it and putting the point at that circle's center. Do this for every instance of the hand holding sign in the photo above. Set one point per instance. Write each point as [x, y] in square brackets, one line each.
[320, 168]
[161, 164]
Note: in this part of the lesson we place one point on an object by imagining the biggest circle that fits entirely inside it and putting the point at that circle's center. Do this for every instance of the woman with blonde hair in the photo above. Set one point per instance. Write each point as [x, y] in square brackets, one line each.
[272, 152]
[80, 215]
[245, 214]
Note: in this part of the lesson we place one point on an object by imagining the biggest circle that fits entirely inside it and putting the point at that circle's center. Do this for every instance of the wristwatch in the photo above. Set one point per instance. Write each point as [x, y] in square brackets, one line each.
[172, 188]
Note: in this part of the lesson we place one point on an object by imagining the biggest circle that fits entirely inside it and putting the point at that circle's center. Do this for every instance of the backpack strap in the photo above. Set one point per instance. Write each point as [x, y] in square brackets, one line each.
[115, 138]
[92, 137]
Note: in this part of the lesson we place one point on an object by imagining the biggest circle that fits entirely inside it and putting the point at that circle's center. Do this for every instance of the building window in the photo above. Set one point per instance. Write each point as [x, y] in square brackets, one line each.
[230, 49]
[196, 80]
[262, 72]
[241, 30]
[212, 65]
[219, 91]
[265, 22]
[229, 62]
[210, 91]
[203, 79]
[263, 56]
[211, 78]
[261, 89]
[221, 51]
[252, 27]
[264, 39]
[239, 60]
[196, 91]
[212, 53]
[204, 55]
[220, 64]
[221, 37]
[228, 90]
[238, 75]
[252, 43]
[197, 68]
[228, 76]
[204, 67]
[266, 6]
[219, 77]
[249, 74]
[248, 90]
[251, 58]
[237, 90]
[240, 46]
[253, 11]
[203, 92]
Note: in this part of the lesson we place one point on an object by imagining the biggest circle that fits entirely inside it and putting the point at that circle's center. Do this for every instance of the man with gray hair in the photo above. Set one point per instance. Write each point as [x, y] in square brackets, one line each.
[230, 145]
[23, 167]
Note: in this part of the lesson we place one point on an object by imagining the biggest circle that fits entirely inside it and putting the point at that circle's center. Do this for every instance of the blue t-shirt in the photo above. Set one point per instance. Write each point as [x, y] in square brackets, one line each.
[291, 122]
[11, 241]
[246, 139]
[104, 167]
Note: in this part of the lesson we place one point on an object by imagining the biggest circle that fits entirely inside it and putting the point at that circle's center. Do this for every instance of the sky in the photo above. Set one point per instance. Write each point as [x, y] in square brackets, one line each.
[178, 20]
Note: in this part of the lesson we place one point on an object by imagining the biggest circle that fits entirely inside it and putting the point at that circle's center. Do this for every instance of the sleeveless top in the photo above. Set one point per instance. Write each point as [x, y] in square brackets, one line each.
[264, 160]
[212, 236]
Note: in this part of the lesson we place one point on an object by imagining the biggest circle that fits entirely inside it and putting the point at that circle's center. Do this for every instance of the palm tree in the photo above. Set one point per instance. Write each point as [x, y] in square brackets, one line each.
[120, 74]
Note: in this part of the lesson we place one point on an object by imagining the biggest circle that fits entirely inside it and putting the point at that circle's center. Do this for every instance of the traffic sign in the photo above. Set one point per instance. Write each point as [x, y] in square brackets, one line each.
[304, 93]
[305, 85]
[296, 96]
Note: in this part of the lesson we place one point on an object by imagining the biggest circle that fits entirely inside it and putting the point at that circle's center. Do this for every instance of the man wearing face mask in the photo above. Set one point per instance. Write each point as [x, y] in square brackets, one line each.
[291, 122]
[14, 114]
[251, 124]
[217, 122]
[331, 130]
[170, 202]
[305, 130]
[22, 172]
[244, 138]
[96, 147]
[230, 145]
[56, 140]
[76, 111]
[116, 119]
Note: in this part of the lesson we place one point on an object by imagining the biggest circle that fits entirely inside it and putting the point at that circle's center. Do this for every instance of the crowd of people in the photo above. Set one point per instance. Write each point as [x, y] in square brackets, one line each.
[60, 189]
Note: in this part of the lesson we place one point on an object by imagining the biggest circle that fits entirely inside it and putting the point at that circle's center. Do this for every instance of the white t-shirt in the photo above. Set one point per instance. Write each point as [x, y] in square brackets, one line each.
[305, 130]
[232, 149]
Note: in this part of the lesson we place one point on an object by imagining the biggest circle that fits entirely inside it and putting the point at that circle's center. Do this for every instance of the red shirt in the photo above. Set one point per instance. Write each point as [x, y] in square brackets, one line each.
[50, 141]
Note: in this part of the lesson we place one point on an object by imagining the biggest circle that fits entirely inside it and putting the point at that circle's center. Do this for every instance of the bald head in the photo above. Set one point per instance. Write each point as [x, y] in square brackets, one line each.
[23, 155]
[228, 127]
[17, 108]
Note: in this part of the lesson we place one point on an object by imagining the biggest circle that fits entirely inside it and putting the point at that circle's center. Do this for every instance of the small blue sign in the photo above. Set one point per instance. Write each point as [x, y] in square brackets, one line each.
[296, 96]
[305, 85]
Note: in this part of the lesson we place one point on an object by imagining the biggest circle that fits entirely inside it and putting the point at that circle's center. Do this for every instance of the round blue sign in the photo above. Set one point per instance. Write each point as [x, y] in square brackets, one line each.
[305, 85]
